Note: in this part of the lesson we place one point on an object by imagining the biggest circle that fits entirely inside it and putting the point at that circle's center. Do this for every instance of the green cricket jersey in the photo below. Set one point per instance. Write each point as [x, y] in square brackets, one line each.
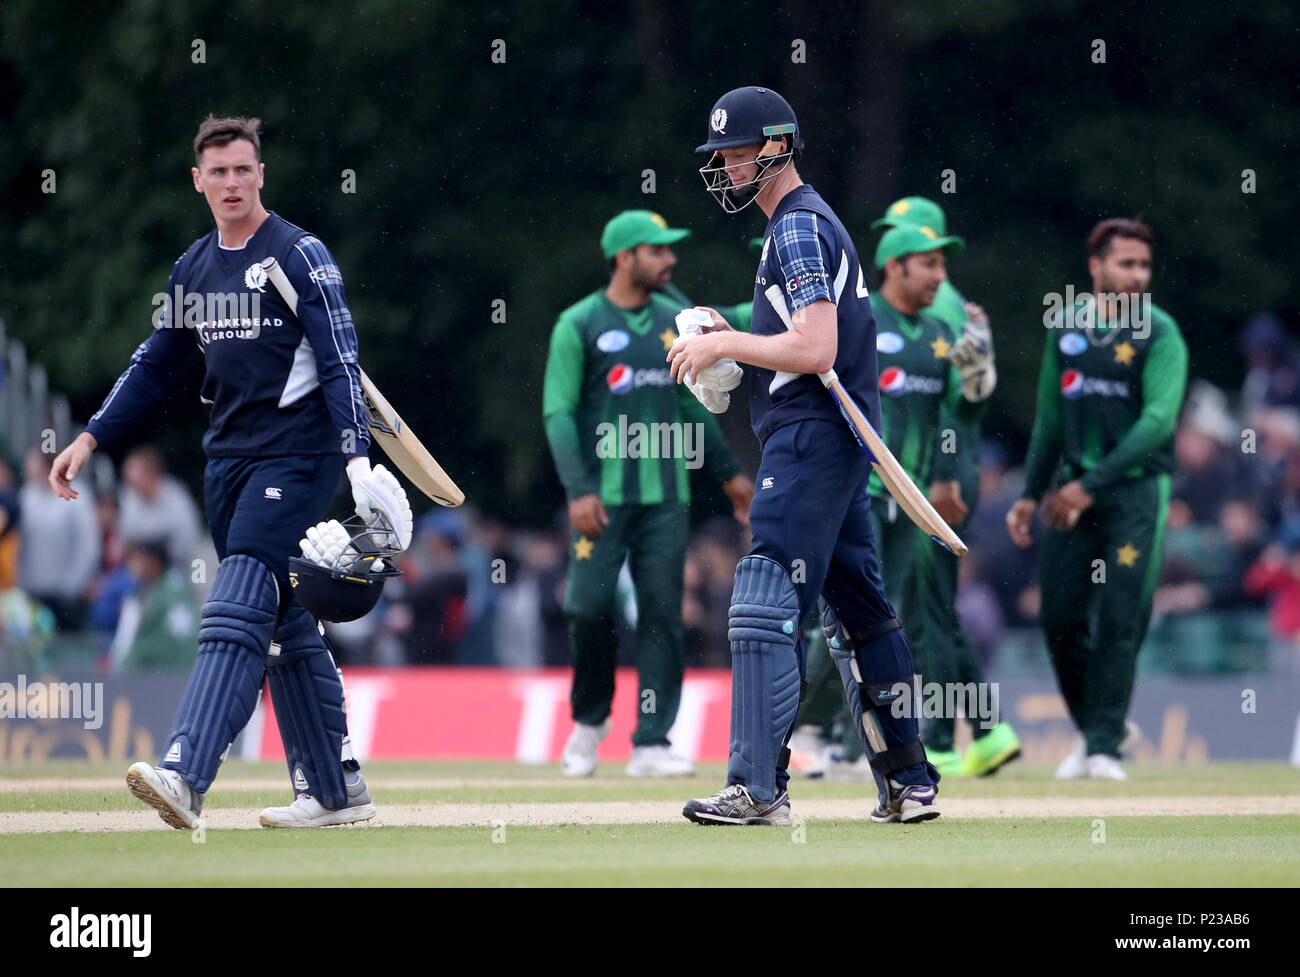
[1108, 399]
[916, 380]
[617, 422]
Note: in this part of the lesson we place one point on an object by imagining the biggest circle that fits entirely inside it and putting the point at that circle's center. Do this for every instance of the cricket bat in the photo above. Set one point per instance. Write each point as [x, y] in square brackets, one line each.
[390, 431]
[891, 473]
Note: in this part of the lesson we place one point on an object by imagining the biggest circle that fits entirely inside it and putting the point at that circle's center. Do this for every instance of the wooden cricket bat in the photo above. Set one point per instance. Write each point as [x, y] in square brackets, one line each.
[891, 473]
[402, 447]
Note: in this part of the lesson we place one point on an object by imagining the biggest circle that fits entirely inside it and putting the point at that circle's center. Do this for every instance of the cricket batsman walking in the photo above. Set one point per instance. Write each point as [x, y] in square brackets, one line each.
[1111, 385]
[624, 438]
[811, 516]
[286, 414]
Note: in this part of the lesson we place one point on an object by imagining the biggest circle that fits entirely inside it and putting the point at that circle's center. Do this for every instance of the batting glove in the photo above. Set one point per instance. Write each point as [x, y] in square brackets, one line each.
[378, 490]
[329, 545]
[713, 383]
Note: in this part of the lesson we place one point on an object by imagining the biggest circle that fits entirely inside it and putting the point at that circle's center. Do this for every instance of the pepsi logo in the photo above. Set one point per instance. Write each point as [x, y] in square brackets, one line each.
[893, 382]
[1071, 384]
[620, 378]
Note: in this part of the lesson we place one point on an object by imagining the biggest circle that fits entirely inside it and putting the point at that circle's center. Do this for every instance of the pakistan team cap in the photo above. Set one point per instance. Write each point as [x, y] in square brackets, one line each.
[909, 239]
[913, 210]
[633, 227]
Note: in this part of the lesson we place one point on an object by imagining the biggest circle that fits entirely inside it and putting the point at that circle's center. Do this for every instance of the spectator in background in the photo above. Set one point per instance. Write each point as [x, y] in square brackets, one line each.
[1272, 367]
[1276, 575]
[158, 628]
[1207, 446]
[435, 590]
[156, 506]
[1011, 572]
[59, 558]
[9, 512]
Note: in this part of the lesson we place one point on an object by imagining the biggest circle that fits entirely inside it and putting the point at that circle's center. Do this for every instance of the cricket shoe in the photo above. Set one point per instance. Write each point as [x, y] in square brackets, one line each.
[1103, 766]
[1132, 734]
[1075, 765]
[947, 762]
[579, 758]
[307, 812]
[990, 752]
[734, 805]
[165, 791]
[658, 761]
[908, 803]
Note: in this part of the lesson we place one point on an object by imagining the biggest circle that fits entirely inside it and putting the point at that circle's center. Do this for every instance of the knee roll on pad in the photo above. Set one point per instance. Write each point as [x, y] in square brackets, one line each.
[763, 627]
[307, 692]
[234, 633]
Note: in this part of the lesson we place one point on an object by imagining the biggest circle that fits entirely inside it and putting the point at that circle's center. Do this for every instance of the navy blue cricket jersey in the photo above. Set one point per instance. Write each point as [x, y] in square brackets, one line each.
[807, 251]
[275, 383]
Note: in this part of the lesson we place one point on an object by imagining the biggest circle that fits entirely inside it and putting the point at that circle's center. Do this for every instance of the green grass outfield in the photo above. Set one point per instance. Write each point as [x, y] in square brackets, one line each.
[1117, 849]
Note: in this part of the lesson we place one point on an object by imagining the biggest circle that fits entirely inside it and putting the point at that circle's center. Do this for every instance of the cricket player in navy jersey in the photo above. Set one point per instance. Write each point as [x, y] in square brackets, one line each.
[286, 416]
[811, 517]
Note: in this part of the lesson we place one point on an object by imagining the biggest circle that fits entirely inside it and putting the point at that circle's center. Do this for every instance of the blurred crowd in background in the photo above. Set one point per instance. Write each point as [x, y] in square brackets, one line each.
[117, 577]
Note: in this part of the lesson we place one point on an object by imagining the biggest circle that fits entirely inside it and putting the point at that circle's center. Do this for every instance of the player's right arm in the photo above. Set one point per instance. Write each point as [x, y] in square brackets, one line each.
[561, 392]
[154, 368]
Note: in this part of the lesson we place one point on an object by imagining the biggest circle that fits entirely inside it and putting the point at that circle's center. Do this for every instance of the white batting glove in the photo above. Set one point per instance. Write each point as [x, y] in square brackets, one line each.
[713, 383]
[973, 355]
[378, 490]
[329, 544]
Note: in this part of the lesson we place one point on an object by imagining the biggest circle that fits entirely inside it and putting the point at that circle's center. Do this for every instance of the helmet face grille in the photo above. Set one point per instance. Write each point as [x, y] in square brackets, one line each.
[734, 199]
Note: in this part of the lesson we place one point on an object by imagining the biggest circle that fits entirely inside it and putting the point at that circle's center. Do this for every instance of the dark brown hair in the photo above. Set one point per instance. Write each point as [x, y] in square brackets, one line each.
[1113, 227]
[222, 132]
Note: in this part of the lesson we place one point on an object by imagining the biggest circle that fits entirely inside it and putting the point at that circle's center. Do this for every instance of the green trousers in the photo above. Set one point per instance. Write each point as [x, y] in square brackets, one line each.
[653, 540]
[1097, 581]
[943, 651]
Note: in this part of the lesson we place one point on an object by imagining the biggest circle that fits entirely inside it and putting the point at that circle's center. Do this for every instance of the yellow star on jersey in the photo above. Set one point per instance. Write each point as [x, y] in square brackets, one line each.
[1128, 555]
[668, 336]
[1125, 352]
[582, 548]
[940, 347]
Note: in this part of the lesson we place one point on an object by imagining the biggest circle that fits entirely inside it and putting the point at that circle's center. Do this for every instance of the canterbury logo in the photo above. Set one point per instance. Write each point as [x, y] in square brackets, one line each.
[273, 493]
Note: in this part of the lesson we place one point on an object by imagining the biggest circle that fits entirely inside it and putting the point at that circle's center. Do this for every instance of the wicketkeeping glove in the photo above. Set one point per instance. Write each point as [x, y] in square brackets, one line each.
[378, 489]
[712, 385]
[973, 355]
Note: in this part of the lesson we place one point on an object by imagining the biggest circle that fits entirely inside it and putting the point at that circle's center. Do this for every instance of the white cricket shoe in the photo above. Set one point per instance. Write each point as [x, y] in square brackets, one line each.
[166, 793]
[579, 759]
[658, 761]
[1132, 734]
[1075, 765]
[1103, 766]
[307, 812]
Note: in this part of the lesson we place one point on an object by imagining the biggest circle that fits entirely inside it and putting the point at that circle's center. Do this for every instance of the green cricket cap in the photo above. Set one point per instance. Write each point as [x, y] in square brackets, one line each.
[633, 227]
[913, 210]
[909, 239]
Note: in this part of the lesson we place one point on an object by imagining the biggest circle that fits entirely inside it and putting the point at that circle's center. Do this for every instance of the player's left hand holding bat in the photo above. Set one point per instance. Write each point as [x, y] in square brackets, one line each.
[377, 490]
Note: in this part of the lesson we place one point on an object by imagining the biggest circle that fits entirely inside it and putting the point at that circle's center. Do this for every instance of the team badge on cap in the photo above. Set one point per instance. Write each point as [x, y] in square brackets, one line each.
[719, 121]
